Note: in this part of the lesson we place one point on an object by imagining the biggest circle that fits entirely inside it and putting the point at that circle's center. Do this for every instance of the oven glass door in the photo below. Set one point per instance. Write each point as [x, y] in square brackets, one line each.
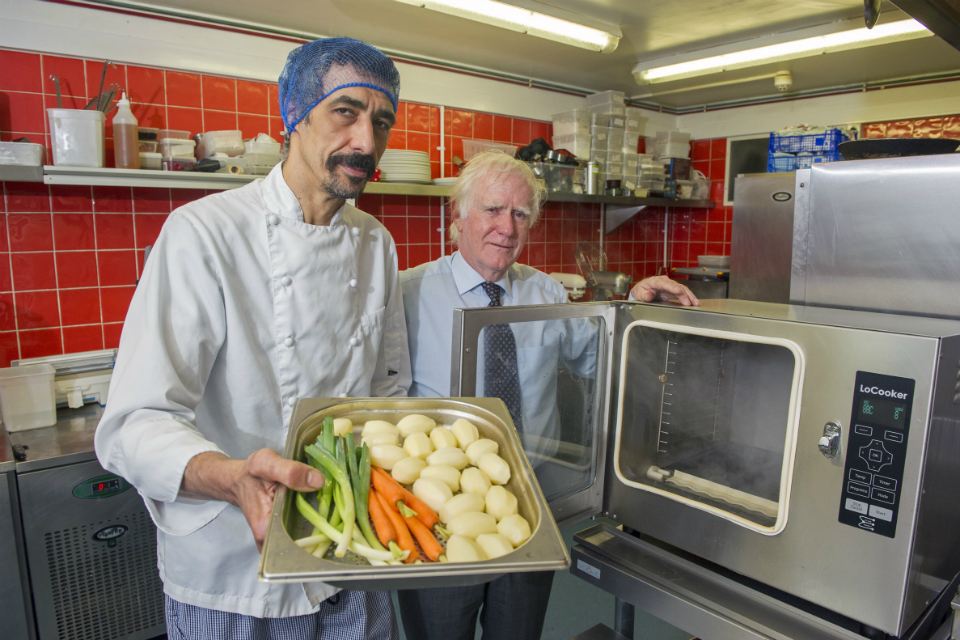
[555, 389]
[709, 418]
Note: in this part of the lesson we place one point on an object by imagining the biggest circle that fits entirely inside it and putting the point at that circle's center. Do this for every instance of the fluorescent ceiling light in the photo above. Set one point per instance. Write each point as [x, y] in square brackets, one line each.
[523, 20]
[803, 48]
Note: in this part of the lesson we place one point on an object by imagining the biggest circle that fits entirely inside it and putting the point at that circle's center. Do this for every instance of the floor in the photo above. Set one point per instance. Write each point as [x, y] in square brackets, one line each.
[576, 606]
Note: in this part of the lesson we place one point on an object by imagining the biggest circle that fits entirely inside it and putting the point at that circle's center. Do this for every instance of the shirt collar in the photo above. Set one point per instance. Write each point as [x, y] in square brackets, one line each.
[281, 200]
[467, 278]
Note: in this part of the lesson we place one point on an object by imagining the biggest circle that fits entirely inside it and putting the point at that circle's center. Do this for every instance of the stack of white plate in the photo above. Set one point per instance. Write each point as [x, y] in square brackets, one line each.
[445, 182]
[405, 166]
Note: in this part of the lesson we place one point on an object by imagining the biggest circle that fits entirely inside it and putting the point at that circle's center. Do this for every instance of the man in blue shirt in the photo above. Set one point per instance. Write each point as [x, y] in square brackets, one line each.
[496, 201]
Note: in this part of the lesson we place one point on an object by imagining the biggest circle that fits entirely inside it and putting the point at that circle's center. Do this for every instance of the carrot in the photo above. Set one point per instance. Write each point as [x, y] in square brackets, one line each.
[393, 492]
[381, 523]
[404, 539]
[428, 542]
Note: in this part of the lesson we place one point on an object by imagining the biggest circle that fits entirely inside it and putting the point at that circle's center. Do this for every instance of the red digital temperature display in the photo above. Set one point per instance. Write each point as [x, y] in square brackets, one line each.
[109, 485]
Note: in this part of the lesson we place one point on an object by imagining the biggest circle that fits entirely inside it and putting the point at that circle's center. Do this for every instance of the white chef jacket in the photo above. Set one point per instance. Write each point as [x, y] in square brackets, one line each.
[242, 309]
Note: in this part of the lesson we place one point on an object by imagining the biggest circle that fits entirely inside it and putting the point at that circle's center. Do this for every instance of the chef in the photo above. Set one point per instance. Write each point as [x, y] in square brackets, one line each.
[251, 299]
[496, 201]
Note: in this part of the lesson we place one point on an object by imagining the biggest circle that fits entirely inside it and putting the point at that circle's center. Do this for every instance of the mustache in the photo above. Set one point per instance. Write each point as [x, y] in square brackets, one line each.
[365, 163]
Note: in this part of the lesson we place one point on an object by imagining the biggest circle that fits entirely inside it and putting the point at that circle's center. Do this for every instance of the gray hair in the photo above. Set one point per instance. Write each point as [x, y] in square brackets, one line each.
[498, 165]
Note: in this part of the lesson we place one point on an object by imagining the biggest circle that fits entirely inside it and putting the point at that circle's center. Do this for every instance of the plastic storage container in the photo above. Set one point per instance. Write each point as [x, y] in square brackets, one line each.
[173, 133]
[214, 142]
[558, 177]
[151, 161]
[605, 97]
[576, 122]
[262, 147]
[599, 156]
[789, 153]
[577, 144]
[28, 396]
[634, 120]
[148, 146]
[631, 141]
[673, 150]
[614, 157]
[22, 154]
[177, 147]
[77, 137]
[612, 108]
[473, 147]
[615, 140]
[601, 138]
[631, 163]
[177, 163]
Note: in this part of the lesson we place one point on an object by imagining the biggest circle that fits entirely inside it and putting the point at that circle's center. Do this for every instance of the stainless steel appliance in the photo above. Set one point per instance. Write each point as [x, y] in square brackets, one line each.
[762, 237]
[16, 610]
[809, 452]
[91, 547]
[705, 283]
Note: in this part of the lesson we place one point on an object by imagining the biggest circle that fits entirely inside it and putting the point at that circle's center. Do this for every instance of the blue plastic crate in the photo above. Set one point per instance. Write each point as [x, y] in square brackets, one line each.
[779, 164]
[809, 143]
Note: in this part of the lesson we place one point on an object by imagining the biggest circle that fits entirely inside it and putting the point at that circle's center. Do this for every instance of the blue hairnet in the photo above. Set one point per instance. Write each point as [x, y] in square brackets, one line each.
[317, 69]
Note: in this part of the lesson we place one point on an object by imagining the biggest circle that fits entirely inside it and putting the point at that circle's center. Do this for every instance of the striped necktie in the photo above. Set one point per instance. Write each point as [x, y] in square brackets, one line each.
[501, 378]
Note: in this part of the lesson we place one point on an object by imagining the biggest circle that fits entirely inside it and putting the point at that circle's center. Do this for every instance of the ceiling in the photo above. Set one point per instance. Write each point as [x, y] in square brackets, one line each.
[650, 30]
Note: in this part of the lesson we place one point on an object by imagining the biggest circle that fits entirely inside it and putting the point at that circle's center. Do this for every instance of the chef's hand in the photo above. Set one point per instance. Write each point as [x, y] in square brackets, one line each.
[664, 289]
[249, 484]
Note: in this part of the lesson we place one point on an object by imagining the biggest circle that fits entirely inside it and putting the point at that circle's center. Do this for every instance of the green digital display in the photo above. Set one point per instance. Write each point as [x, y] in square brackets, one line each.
[883, 412]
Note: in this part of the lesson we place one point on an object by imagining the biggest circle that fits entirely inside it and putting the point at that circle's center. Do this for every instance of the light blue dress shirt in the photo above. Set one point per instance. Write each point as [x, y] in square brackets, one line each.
[430, 294]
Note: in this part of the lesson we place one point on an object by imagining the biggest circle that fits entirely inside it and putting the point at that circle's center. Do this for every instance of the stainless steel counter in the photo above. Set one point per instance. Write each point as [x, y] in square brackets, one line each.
[69, 441]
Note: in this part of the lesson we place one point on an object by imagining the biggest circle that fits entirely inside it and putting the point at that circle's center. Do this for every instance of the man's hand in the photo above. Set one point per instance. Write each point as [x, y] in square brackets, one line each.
[664, 289]
[249, 484]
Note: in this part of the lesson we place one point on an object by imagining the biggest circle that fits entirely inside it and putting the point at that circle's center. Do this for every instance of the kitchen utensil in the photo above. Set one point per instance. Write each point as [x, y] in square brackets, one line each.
[56, 83]
[103, 77]
[107, 98]
[870, 148]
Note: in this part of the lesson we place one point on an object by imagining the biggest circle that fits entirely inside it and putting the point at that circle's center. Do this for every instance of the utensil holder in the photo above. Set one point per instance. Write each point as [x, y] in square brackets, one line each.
[77, 137]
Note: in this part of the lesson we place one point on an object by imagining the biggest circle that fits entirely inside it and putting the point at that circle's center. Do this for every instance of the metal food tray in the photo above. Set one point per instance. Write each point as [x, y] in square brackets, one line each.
[283, 561]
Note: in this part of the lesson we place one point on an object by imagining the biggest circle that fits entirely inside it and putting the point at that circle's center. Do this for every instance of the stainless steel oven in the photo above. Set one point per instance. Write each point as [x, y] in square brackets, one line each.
[808, 452]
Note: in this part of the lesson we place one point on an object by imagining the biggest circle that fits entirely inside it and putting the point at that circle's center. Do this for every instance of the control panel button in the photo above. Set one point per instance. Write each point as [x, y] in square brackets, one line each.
[857, 489]
[893, 436]
[861, 476]
[884, 483]
[856, 506]
[863, 430]
[882, 495]
[875, 455]
[880, 513]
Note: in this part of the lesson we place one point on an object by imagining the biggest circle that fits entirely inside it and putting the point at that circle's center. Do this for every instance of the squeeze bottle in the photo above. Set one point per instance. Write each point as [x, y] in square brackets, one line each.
[126, 145]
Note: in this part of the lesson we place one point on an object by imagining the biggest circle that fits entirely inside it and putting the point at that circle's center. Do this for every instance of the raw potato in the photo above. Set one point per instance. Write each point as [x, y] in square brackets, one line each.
[342, 426]
[462, 503]
[494, 544]
[515, 528]
[465, 433]
[418, 445]
[480, 447]
[443, 472]
[379, 426]
[415, 423]
[472, 480]
[407, 471]
[442, 437]
[386, 455]
[450, 456]
[379, 438]
[461, 549]
[473, 523]
[495, 467]
[500, 503]
[433, 492]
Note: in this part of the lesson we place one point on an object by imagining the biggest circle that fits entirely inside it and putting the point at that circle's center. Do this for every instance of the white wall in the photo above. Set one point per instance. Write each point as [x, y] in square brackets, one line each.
[34, 25]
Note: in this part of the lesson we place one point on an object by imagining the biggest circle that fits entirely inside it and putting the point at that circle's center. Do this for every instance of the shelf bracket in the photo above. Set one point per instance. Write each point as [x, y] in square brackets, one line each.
[617, 216]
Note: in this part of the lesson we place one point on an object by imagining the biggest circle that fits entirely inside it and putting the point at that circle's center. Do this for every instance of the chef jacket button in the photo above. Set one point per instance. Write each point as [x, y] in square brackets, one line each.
[353, 283]
[354, 342]
[286, 281]
[288, 342]
[273, 219]
[355, 231]
[291, 401]
[343, 395]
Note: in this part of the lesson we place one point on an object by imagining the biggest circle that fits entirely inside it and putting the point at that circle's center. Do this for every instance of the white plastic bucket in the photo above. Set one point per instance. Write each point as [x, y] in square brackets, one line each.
[77, 137]
[27, 396]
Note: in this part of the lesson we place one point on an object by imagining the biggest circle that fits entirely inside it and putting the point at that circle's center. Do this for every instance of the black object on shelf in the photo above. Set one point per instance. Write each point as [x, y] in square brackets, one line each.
[871, 148]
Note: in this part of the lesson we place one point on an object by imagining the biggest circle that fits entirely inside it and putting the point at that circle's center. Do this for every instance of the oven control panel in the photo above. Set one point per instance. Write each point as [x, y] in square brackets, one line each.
[876, 449]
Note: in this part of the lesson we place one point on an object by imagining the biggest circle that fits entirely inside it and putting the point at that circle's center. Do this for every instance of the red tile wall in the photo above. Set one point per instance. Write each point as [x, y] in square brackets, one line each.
[697, 232]
[70, 256]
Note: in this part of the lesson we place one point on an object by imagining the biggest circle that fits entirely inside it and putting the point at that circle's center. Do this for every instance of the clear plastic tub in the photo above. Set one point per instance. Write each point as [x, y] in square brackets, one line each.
[22, 154]
[615, 167]
[599, 156]
[617, 121]
[261, 159]
[577, 144]
[576, 122]
[147, 146]
[673, 150]
[473, 147]
[28, 396]
[634, 120]
[611, 108]
[671, 137]
[150, 161]
[631, 141]
[605, 97]
[615, 140]
[177, 147]
[614, 157]
[147, 134]
[172, 133]
[601, 137]
[261, 147]
[629, 181]
[214, 142]
[177, 163]
[631, 163]
[77, 137]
